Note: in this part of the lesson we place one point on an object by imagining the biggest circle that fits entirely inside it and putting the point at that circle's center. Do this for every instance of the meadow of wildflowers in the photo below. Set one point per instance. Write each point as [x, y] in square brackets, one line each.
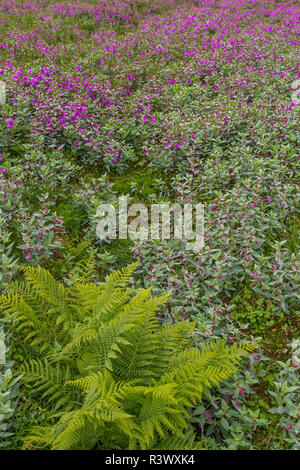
[162, 101]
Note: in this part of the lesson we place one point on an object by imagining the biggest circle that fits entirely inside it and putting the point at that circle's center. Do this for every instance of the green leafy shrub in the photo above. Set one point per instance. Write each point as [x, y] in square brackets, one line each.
[108, 373]
[9, 392]
[287, 397]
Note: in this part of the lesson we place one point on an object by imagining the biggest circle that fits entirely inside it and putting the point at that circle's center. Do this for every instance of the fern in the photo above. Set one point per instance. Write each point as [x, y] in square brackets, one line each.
[109, 375]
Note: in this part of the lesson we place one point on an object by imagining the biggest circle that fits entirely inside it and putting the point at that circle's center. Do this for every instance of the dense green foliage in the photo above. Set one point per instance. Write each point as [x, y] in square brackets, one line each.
[163, 101]
[9, 392]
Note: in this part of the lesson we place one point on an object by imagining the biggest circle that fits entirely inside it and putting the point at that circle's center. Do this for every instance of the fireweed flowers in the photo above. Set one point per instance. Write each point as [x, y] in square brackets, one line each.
[10, 122]
[219, 57]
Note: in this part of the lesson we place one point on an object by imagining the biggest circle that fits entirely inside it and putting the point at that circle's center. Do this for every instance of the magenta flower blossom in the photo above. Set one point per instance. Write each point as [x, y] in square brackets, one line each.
[10, 122]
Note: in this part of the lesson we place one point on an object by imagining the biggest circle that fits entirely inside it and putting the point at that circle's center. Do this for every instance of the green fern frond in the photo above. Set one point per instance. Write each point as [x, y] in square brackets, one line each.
[37, 329]
[86, 295]
[45, 285]
[39, 436]
[120, 278]
[105, 369]
[180, 443]
[85, 271]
